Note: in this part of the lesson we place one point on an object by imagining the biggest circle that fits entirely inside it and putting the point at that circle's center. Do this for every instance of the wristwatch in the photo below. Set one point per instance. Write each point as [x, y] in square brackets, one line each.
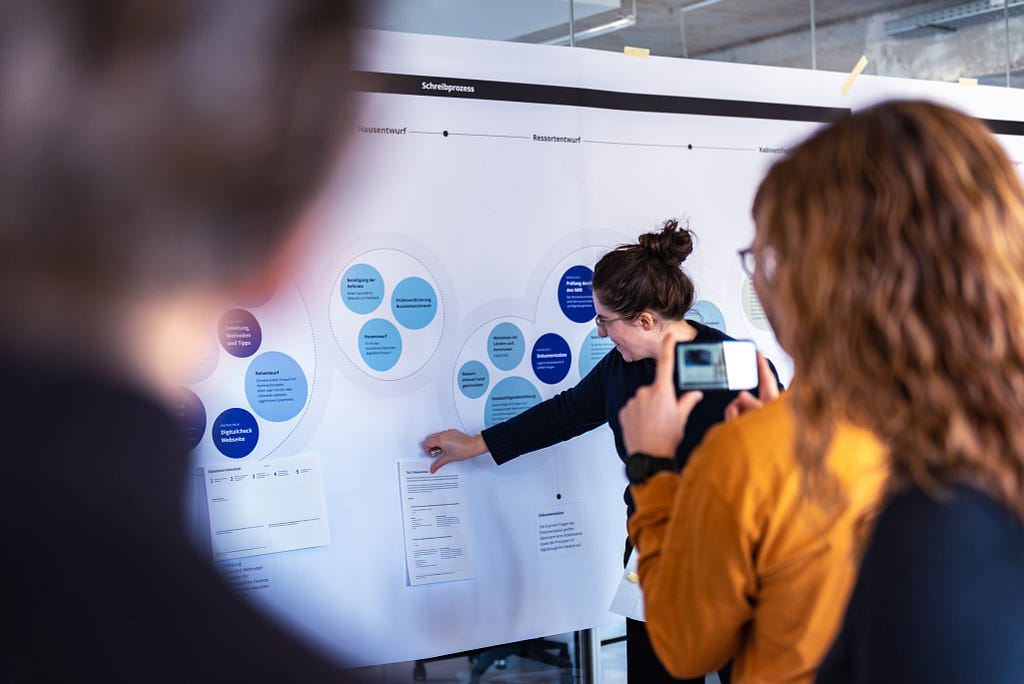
[641, 466]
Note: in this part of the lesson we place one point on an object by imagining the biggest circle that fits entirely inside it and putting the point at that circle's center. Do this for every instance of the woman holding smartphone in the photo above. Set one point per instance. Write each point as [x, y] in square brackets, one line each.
[640, 294]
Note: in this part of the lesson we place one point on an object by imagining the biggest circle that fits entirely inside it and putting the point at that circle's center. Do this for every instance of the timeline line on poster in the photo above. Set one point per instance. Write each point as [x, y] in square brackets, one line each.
[624, 143]
[487, 135]
[636, 144]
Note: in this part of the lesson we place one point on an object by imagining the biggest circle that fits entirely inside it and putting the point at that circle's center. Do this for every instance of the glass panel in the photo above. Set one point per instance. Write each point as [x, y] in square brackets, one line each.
[938, 39]
[951, 40]
[534, 21]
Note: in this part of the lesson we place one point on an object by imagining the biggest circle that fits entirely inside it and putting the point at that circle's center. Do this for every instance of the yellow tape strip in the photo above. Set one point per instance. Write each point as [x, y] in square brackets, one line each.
[854, 74]
[636, 52]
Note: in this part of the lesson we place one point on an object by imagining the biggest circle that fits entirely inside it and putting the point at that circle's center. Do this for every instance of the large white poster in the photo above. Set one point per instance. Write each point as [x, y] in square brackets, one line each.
[447, 285]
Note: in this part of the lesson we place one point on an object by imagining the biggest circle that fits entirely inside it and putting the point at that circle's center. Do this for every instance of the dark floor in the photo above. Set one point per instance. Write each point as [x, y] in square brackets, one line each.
[517, 670]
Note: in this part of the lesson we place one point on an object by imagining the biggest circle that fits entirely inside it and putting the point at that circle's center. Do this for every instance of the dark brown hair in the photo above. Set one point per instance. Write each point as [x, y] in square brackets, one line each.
[150, 144]
[898, 237]
[648, 275]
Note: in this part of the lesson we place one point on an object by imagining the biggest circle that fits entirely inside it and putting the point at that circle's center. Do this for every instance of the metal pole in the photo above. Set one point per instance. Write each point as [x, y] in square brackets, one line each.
[1006, 21]
[572, 23]
[814, 42]
[588, 656]
[682, 33]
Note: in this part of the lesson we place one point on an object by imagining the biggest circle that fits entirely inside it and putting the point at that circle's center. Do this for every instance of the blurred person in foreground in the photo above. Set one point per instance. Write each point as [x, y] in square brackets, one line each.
[155, 158]
[890, 256]
[934, 365]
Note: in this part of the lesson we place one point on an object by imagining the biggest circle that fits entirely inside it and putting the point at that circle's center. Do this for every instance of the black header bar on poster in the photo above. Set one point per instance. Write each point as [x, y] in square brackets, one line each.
[437, 86]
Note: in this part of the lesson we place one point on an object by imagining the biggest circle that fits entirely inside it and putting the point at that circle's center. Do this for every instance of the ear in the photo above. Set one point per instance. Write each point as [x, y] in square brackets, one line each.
[646, 320]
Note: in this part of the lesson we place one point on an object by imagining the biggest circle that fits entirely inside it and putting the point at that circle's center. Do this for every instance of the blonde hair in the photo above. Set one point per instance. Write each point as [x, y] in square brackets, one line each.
[898, 240]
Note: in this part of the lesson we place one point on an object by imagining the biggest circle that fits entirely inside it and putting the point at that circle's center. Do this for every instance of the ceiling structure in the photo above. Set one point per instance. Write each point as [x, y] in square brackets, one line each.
[690, 28]
[775, 32]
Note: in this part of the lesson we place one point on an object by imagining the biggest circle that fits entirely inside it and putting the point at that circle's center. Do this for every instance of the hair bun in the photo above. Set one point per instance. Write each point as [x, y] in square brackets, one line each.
[672, 245]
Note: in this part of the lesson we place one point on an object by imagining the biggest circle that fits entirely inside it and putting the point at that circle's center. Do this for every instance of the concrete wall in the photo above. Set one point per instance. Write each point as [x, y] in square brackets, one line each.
[973, 51]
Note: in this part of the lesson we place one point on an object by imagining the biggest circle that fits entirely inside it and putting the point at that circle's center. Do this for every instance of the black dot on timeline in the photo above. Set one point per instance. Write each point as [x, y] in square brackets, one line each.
[689, 147]
[444, 133]
[558, 496]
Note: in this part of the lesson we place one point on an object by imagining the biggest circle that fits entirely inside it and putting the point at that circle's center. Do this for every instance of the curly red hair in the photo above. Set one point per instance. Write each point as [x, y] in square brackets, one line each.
[898, 240]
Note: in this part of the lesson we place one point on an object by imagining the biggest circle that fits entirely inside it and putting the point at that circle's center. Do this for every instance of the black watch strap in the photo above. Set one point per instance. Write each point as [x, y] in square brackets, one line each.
[640, 466]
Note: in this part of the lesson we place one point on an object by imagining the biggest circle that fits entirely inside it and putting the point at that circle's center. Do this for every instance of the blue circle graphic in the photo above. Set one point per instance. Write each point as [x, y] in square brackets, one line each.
[551, 358]
[276, 386]
[505, 346]
[380, 344]
[707, 313]
[235, 433]
[575, 294]
[362, 288]
[508, 399]
[414, 303]
[473, 379]
[593, 349]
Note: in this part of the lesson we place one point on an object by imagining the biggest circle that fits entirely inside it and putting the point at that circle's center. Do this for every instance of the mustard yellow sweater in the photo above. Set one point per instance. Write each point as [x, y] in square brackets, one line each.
[737, 562]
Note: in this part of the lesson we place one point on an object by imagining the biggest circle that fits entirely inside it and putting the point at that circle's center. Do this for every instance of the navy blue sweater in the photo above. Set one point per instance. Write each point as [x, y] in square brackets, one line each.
[939, 598]
[101, 583]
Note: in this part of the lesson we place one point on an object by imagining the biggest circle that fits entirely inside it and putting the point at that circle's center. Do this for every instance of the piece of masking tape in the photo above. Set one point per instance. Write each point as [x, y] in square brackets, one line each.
[854, 74]
[636, 52]
[633, 577]
[968, 81]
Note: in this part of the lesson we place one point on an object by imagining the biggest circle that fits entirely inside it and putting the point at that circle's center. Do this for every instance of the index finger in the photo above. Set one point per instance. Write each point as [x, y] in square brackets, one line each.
[767, 384]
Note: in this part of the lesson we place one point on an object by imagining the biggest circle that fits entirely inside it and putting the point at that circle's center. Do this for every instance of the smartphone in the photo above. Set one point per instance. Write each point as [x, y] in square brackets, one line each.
[725, 365]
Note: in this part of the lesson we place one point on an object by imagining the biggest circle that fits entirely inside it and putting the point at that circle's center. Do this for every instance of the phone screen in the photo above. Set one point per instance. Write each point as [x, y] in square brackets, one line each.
[725, 365]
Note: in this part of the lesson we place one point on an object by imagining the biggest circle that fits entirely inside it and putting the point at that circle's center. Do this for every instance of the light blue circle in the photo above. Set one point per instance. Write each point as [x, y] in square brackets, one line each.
[380, 344]
[505, 346]
[414, 303]
[593, 349]
[707, 313]
[508, 399]
[473, 379]
[362, 288]
[551, 358]
[276, 386]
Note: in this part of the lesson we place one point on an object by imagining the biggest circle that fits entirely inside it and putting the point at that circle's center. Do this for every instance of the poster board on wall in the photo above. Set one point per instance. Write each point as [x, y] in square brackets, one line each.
[446, 285]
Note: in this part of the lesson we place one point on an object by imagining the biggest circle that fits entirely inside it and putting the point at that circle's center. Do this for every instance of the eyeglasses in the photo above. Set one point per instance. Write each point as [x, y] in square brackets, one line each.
[602, 323]
[750, 261]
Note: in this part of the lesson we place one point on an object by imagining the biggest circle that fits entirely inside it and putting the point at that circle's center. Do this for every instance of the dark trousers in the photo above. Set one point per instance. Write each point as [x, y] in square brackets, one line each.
[642, 664]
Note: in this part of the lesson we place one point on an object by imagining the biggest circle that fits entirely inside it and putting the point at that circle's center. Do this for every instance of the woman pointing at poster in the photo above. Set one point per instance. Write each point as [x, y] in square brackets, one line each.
[640, 294]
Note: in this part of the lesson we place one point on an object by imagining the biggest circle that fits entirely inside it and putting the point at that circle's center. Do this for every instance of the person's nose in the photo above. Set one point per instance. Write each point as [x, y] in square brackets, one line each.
[601, 332]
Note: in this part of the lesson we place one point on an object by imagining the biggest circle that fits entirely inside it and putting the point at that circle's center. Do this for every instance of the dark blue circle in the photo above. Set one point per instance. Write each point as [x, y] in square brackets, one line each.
[191, 415]
[576, 294]
[551, 358]
[235, 433]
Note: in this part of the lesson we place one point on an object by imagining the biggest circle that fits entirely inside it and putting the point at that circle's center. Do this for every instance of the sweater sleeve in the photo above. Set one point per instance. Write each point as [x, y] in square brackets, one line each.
[695, 568]
[563, 416]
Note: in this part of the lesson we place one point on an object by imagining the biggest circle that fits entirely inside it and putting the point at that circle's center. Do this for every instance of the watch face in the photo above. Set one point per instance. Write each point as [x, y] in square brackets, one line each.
[638, 468]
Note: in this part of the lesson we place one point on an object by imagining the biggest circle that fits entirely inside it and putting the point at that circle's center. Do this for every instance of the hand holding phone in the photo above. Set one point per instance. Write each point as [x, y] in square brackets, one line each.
[768, 389]
[723, 365]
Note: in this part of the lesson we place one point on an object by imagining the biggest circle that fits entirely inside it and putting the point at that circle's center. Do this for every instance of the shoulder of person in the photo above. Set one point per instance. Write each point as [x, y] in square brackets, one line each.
[706, 333]
[949, 517]
[755, 446]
